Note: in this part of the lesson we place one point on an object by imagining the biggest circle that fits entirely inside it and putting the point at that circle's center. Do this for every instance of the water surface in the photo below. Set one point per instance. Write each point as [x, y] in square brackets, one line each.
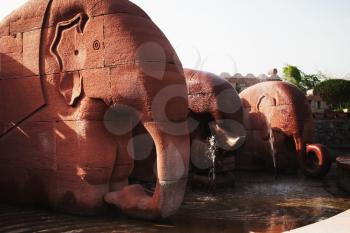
[258, 203]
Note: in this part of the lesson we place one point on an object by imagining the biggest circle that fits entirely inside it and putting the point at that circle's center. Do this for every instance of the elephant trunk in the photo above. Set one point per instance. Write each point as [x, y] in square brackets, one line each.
[172, 171]
[229, 133]
[314, 159]
[226, 109]
[229, 136]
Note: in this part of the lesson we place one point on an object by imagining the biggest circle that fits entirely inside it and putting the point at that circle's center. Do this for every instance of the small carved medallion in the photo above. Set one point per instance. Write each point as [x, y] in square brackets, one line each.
[96, 45]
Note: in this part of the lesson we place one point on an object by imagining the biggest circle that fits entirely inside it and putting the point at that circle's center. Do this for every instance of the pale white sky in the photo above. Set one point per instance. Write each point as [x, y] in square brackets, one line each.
[252, 36]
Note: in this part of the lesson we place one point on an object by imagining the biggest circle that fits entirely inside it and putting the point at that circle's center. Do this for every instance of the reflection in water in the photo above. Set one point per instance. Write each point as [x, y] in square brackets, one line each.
[259, 203]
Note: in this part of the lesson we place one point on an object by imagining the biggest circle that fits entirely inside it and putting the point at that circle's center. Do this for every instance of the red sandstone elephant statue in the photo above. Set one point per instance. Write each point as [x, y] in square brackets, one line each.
[279, 125]
[76, 77]
[216, 110]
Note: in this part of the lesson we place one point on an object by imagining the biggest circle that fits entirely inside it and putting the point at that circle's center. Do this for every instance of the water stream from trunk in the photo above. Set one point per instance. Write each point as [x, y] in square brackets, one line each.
[212, 150]
[272, 143]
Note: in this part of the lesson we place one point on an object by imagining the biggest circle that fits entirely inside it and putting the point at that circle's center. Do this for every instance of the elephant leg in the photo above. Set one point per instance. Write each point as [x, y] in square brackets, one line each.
[85, 158]
[124, 163]
[172, 170]
[144, 157]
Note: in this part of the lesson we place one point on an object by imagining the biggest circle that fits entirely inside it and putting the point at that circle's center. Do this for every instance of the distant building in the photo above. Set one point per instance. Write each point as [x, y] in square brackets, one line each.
[225, 75]
[240, 82]
[316, 103]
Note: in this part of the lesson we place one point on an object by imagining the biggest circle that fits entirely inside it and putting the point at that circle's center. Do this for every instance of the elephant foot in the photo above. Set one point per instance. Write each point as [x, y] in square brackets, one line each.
[136, 202]
[130, 199]
[116, 186]
[317, 161]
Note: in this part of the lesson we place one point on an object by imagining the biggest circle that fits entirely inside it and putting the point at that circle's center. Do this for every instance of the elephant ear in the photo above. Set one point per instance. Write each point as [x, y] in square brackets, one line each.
[265, 101]
[71, 87]
[78, 22]
[265, 105]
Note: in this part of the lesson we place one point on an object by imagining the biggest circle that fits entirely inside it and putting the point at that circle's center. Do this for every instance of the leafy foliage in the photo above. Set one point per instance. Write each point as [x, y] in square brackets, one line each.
[335, 92]
[292, 74]
[304, 82]
[238, 88]
[310, 81]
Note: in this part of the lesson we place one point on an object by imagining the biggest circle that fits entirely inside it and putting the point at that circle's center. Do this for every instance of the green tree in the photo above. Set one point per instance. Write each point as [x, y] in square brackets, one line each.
[335, 92]
[346, 105]
[310, 81]
[292, 74]
[323, 76]
[304, 82]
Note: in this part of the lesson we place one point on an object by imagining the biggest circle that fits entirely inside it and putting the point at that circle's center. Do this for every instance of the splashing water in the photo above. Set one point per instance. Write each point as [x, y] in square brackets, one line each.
[273, 150]
[272, 143]
[212, 157]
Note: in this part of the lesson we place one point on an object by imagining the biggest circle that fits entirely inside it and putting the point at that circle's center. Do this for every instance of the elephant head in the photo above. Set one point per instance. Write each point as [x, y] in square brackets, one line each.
[95, 69]
[279, 125]
[216, 110]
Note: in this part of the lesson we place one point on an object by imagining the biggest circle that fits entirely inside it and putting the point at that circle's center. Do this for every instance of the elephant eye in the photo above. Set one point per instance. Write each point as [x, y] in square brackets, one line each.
[96, 45]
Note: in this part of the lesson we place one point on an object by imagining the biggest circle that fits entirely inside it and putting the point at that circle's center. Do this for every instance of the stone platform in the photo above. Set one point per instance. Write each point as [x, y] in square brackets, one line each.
[343, 164]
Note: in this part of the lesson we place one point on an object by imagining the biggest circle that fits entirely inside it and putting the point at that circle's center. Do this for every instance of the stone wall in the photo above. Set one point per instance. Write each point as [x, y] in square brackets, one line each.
[240, 82]
[334, 133]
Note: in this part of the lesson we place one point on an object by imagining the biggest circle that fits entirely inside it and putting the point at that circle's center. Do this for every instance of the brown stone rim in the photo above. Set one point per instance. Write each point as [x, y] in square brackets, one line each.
[344, 162]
